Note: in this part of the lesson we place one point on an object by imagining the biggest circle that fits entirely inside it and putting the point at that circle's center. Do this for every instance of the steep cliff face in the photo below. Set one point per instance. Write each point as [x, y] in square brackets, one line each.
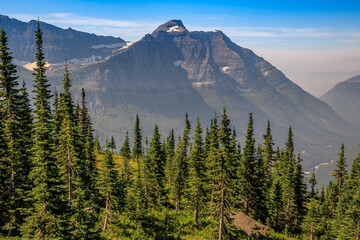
[344, 98]
[227, 74]
[58, 44]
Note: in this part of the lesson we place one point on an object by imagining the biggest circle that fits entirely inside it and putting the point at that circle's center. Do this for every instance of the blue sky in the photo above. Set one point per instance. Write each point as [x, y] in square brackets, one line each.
[296, 36]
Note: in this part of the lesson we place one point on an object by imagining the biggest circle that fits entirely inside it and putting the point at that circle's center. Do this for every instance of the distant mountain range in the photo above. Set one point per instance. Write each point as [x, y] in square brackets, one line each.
[58, 43]
[174, 70]
[344, 98]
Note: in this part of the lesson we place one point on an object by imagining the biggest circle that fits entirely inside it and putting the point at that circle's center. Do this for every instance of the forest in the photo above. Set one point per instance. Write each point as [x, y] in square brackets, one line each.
[58, 182]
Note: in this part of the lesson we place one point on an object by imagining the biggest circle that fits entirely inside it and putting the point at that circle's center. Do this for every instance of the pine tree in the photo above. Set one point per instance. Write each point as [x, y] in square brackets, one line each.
[17, 166]
[97, 143]
[47, 216]
[234, 170]
[287, 168]
[68, 136]
[125, 153]
[197, 172]
[56, 119]
[261, 187]
[9, 94]
[137, 149]
[213, 157]
[84, 116]
[299, 195]
[4, 173]
[276, 206]
[158, 162]
[340, 172]
[110, 188]
[248, 169]
[226, 177]
[170, 154]
[112, 144]
[312, 181]
[268, 159]
[181, 165]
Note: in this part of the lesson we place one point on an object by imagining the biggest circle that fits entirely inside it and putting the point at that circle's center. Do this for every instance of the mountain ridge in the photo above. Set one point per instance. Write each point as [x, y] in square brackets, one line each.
[58, 44]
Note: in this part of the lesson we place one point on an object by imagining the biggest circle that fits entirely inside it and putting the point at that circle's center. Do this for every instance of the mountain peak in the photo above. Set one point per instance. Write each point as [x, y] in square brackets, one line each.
[171, 26]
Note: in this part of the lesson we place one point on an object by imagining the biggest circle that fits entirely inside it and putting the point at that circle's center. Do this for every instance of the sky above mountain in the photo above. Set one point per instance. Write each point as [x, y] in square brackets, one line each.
[297, 37]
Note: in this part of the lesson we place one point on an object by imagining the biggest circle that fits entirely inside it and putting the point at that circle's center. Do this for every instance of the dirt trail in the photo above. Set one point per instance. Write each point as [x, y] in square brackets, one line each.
[249, 225]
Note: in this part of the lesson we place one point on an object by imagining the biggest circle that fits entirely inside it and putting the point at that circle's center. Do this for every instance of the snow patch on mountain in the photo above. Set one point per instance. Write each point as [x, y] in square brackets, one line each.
[224, 69]
[93, 58]
[243, 90]
[178, 63]
[205, 83]
[31, 66]
[175, 29]
[115, 45]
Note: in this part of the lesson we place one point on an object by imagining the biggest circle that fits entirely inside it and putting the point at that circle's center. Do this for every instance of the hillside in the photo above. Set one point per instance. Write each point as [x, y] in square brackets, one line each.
[344, 98]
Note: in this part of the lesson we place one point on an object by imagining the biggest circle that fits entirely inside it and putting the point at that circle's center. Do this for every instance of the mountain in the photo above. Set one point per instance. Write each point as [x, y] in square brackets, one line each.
[172, 71]
[58, 43]
[344, 98]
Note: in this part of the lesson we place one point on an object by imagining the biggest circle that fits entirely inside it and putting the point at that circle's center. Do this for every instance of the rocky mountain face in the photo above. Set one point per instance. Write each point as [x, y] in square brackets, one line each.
[58, 44]
[216, 72]
[344, 98]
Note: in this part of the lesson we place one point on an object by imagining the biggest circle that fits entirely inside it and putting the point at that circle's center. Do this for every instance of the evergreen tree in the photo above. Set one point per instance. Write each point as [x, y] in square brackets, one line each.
[68, 154]
[56, 119]
[299, 195]
[312, 181]
[197, 172]
[125, 154]
[268, 152]
[276, 206]
[287, 168]
[46, 218]
[112, 144]
[137, 149]
[340, 172]
[268, 158]
[234, 170]
[84, 116]
[4, 174]
[111, 189]
[156, 174]
[97, 143]
[248, 169]
[213, 157]
[16, 165]
[226, 177]
[261, 187]
[181, 165]
[170, 154]
[9, 94]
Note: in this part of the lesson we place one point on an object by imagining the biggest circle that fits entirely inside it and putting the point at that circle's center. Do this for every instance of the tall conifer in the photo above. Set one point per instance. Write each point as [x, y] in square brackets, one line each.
[47, 216]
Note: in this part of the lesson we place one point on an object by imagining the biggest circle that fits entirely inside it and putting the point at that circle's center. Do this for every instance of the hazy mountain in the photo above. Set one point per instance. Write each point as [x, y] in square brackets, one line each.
[318, 83]
[344, 98]
[58, 43]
